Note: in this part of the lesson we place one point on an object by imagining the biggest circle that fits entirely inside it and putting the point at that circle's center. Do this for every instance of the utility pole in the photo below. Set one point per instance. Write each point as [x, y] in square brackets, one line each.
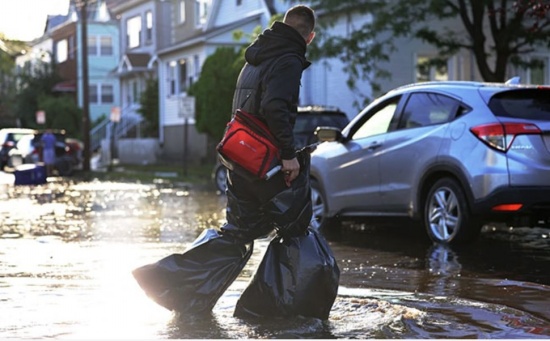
[85, 85]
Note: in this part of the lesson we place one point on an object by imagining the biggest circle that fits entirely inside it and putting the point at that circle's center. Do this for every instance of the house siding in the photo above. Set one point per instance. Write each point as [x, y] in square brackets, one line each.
[101, 69]
[229, 12]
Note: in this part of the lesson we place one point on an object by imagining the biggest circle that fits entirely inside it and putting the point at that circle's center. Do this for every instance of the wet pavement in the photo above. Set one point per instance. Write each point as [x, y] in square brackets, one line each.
[67, 250]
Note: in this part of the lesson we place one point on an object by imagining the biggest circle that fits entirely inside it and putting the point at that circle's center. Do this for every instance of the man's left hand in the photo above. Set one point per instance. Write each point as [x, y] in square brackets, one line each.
[291, 169]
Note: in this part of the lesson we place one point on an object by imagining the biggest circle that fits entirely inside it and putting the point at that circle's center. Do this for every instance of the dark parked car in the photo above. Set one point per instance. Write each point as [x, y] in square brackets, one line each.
[9, 137]
[450, 155]
[67, 152]
[307, 120]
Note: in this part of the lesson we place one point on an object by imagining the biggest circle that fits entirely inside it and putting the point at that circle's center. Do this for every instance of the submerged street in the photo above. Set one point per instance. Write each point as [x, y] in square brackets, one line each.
[67, 250]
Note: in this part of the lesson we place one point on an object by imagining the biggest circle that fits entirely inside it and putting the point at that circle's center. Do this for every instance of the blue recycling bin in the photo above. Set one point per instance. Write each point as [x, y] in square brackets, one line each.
[30, 174]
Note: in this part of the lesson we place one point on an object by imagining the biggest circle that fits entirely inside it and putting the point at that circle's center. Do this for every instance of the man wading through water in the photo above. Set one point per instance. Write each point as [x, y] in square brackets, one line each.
[304, 272]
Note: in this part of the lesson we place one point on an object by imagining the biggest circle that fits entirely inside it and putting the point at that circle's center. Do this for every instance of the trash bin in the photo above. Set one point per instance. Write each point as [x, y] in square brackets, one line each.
[30, 174]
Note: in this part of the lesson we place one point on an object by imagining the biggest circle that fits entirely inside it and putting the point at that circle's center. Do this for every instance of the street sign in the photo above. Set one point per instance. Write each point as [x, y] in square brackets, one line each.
[115, 114]
[186, 107]
[41, 117]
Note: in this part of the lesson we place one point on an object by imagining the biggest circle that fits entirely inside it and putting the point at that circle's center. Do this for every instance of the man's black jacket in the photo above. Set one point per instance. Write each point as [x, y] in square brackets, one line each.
[274, 65]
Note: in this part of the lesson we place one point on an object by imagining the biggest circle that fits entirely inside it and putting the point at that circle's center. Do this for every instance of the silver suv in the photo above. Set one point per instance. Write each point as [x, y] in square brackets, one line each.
[450, 155]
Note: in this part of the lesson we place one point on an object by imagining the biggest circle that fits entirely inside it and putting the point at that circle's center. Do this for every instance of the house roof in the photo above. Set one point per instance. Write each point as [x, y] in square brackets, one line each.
[133, 62]
[99, 11]
[138, 59]
[209, 34]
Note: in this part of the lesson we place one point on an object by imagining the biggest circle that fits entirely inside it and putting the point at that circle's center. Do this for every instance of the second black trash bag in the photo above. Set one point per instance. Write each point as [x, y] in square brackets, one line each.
[297, 276]
[193, 281]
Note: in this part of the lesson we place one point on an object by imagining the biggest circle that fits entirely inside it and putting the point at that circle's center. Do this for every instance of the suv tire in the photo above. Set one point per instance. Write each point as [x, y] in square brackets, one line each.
[319, 220]
[447, 216]
[219, 178]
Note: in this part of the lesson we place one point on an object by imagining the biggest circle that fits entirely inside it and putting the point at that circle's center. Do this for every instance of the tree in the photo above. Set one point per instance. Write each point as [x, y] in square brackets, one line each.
[149, 109]
[497, 32]
[34, 85]
[214, 91]
[61, 113]
[8, 50]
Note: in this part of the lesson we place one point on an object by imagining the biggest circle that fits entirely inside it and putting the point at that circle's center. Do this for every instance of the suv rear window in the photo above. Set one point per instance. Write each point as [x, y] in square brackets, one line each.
[530, 104]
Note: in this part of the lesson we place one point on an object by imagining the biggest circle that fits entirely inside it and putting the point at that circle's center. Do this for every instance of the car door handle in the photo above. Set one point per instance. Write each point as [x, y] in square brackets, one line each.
[374, 146]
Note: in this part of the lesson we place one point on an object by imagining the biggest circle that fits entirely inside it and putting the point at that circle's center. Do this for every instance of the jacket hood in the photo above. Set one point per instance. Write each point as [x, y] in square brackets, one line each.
[275, 41]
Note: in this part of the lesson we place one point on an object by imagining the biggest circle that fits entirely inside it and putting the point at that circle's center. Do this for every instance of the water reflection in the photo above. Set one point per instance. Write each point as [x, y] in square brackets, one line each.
[67, 251]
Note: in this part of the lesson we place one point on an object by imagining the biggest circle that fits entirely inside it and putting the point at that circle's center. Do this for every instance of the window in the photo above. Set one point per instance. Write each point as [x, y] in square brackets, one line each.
[136, 94]
[538, 74]
[71, 47]
[61, 51]
[132, 91]
[425, 109]
[172, 78]
[201, 11]
[181, 11]
[149, 27]
[430, 69]
[106, 48]
[107, 94]
[133, 32]
[513, 104]
[101, 94]
[100, 46]
[182, 75]
[92, 45]
[378, 122]
[93, 97]
[197, 64]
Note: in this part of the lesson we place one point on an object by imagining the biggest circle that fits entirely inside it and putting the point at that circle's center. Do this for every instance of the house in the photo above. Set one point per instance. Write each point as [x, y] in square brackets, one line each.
[143, 31]
[102, 44]
[62, 42]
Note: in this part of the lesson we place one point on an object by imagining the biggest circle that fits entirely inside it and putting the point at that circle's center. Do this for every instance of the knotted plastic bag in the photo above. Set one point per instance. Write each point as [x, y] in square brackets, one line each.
[297, 276]
[193, 281]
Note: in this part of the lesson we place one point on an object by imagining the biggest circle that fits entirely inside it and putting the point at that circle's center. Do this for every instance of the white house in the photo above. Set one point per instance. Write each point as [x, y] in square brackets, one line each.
[198, 28]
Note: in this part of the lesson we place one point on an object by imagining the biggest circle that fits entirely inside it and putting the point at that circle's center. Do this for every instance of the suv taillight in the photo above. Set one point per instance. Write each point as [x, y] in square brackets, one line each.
[8, 144]
[501, 135]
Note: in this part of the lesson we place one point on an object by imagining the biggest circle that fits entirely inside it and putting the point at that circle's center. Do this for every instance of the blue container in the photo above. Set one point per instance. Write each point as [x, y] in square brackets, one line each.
[30, 174]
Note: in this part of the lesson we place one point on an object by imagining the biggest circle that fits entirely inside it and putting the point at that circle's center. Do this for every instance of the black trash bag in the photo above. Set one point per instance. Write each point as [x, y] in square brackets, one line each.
[192, 282]
[298, 276]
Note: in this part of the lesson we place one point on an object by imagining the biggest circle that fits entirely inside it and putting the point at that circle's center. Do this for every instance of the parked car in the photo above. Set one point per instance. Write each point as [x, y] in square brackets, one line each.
[8, 139]
[450, 155]
[67, 152]
[307, 120]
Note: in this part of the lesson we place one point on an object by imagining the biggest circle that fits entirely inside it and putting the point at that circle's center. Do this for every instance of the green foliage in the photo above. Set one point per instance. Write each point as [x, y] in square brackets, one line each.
[33, 86]
[62, 113]
[8, 80]
[515, 27]
[213, 91]
[149, 101]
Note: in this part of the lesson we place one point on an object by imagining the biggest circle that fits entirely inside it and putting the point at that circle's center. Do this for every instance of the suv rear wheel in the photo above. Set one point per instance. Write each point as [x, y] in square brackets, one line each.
[447, 217]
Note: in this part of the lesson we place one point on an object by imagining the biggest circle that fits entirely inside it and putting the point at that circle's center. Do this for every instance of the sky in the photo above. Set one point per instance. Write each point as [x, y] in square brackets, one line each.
[26, 19]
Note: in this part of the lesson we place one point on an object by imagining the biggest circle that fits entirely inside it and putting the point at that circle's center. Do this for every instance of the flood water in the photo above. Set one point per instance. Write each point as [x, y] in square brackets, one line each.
[67, 250]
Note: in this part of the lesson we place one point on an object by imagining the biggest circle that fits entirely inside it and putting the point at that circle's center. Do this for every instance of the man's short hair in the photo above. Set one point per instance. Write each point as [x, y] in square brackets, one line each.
[301, 18]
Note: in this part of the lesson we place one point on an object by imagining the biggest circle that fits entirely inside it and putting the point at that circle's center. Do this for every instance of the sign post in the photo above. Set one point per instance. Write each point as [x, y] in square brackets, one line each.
[186, 111]
[115, 118]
